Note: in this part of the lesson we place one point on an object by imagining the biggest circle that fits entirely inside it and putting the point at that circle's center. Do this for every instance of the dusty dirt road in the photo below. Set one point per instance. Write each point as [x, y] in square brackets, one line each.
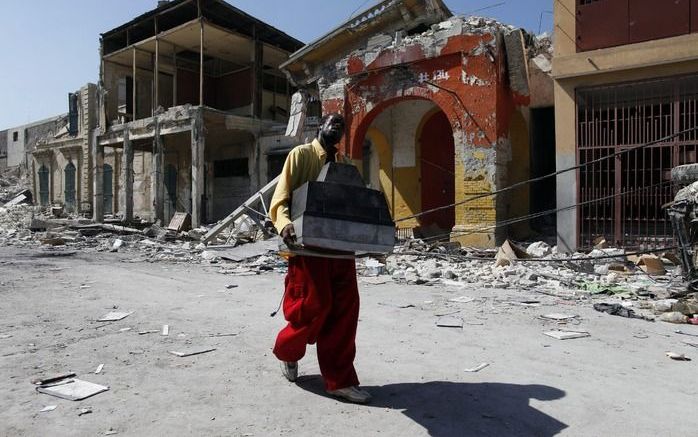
[616, 382]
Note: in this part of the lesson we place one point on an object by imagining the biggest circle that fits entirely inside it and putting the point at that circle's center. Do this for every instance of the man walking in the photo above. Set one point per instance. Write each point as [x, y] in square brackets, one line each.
[321, 298]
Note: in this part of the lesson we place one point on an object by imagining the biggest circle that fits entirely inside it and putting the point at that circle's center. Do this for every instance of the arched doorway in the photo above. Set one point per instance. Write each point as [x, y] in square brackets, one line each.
[108, 189]
[69, 199]
[170, 192]
[408, 153]
[43, 185]
[437, 173]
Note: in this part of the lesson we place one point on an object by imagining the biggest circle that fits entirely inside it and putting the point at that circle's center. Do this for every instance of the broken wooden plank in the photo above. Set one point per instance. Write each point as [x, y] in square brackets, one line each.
[263, 195]
[189, 354]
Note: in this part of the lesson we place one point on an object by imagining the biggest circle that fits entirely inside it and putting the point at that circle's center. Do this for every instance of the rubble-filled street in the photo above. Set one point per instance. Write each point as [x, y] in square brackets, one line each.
[362, 218]
[424, 377]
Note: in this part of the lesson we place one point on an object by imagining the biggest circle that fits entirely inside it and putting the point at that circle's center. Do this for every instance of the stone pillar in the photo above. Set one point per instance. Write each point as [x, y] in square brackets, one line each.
[127, 177]
[97, 182]
[198, 144]
[157, 182]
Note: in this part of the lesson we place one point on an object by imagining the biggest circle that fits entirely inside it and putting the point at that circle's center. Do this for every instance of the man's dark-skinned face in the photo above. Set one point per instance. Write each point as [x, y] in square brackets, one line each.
[332, 131]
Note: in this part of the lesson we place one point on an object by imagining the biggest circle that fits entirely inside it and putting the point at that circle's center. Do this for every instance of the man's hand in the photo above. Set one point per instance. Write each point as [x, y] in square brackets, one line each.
[288, 233]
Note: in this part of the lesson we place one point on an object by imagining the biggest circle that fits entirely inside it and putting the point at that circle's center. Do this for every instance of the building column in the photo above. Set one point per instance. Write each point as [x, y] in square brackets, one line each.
[198, 144]
[127, 177]
[97, 182]
[157, 188]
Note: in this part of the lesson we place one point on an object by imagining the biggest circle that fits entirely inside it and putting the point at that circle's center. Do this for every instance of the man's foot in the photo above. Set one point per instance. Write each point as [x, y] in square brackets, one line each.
[290, 370]
[352, 394]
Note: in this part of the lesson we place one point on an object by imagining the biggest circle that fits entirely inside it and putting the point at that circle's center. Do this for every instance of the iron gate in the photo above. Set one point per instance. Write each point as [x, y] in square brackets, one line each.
[621, 197]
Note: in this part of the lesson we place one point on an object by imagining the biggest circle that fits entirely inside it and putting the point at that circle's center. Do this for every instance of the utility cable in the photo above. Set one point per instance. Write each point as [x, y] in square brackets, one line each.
[557, 173]
[539, 214]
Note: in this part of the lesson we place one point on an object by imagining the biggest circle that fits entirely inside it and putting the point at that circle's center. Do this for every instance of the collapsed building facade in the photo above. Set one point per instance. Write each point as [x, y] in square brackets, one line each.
[626, 102]
[438, 110]
[190, 99]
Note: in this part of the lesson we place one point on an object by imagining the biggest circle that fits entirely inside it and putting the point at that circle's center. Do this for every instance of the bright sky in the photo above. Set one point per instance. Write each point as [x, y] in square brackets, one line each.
[51, 47]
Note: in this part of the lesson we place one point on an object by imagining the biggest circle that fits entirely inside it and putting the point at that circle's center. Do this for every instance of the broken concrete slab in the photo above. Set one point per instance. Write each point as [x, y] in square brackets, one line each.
[567, 335]
[449, 322]
[114, 316]
[509, 252]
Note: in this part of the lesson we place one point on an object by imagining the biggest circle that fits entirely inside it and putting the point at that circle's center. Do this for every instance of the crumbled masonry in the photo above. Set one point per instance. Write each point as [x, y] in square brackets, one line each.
[608, 280]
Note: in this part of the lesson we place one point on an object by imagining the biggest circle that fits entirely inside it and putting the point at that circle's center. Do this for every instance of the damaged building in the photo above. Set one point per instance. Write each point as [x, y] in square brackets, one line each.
[438, 109]
[626, 102]
[192, 107]
[60, 161]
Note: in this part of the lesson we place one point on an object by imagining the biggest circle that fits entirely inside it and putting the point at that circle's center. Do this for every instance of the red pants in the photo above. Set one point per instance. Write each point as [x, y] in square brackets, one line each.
[322, 305]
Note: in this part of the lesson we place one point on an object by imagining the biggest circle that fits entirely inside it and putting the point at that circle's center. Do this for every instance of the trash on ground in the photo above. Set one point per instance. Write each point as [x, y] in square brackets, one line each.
[652, 265]
[558, 316]
[229, 286]
[508, 253]
[616, 309]
[72, 389]
[567, 335]
[231, 334]
[84, 411]
[150, 331]
[678, 331]
[673, 317]
[449, 322]
[195, 352]
[54, 378]
[165, 330]
[48, 408]
[477, 368]
[114, 316]
[677, 357]
[462, 299]
[99, 369]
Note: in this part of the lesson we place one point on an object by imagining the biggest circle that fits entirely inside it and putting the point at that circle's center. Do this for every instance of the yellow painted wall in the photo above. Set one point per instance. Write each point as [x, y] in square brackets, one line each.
[404, 195]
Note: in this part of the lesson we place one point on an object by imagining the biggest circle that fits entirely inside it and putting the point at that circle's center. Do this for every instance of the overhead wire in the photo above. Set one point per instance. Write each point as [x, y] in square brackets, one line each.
[541, 178]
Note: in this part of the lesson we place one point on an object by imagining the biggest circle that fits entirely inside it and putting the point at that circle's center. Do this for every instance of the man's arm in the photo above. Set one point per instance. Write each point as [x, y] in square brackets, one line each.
[279, 208]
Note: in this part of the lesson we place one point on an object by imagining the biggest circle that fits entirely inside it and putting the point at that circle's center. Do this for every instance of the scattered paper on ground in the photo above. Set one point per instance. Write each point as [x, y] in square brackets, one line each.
[72, 389]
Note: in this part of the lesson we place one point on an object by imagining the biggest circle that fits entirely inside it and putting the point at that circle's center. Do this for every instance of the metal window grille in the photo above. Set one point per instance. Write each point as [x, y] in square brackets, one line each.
[635, 185]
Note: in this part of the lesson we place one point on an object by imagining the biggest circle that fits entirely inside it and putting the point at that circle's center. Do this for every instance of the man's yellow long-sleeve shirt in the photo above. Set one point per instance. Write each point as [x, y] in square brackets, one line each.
[303, 164]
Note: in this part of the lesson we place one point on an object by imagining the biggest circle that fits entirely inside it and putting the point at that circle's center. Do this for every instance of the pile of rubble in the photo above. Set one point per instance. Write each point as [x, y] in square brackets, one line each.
[644, 285]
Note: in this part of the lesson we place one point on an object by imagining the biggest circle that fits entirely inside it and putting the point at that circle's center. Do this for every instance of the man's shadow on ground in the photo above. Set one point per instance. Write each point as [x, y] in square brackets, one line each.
[447, 409]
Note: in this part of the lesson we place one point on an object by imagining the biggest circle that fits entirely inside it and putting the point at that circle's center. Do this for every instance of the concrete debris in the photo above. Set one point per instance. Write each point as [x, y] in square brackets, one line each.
[567, 335]
[477, 368]
[539, 249]
[677, 357]
[114, 316]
